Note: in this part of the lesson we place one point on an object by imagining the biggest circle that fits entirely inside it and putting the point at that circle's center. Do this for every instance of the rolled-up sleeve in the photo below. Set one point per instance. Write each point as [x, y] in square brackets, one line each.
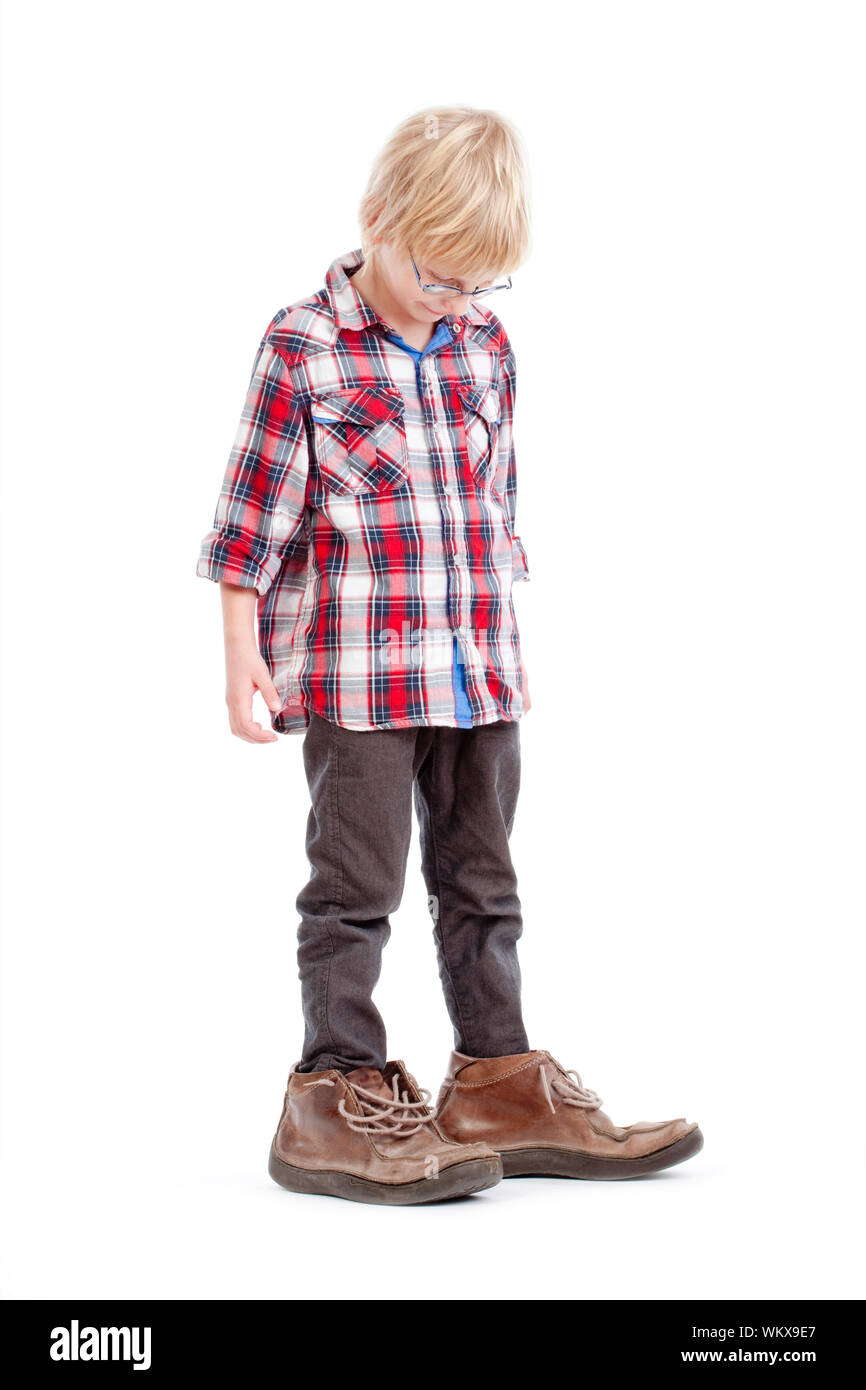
[521, 564]
[259, 518]
[507, 460]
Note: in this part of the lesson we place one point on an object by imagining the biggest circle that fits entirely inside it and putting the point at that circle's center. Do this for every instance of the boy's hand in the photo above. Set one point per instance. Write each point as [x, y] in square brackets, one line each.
[527, 703]
[247, 672]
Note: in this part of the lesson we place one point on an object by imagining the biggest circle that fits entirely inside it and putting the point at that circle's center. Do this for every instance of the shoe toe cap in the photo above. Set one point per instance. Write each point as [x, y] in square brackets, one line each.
[465, 1153]
[647, 1137]
[675, 1130]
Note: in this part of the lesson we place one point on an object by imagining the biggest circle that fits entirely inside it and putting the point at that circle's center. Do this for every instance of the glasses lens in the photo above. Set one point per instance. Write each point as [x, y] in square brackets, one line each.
[503, 285]
[455, 289]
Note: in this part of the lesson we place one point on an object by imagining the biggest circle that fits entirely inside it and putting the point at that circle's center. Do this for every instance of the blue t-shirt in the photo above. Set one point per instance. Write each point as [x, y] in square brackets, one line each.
[461, 699]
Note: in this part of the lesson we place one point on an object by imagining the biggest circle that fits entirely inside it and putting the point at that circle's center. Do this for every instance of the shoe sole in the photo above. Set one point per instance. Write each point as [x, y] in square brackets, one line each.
[457, 1180]
[565, 1163]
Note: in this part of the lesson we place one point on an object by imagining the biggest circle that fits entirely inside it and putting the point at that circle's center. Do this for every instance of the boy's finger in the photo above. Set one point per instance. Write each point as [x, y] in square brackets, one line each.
[269, 694]
[240, 707]
[247, 728]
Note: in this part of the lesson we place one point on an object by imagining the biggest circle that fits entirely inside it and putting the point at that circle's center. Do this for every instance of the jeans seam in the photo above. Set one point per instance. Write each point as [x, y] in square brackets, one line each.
[337, 868]
[435, 844]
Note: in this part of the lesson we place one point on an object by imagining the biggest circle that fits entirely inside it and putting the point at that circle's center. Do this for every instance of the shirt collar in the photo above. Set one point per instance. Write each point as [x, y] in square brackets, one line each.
[353, 312]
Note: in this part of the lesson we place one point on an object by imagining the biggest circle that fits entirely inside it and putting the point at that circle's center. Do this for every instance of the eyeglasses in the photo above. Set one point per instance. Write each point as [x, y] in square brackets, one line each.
[455, 289]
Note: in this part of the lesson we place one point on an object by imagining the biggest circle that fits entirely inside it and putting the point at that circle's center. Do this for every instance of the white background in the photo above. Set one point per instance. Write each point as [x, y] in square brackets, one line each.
[690, 433]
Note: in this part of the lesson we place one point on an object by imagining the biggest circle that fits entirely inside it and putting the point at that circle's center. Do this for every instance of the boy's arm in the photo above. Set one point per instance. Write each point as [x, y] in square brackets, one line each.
[507, 463]
[507, 476]
[258, 527]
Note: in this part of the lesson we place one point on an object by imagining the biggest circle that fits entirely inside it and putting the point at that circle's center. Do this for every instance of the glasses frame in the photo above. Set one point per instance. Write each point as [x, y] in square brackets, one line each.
[477, 293]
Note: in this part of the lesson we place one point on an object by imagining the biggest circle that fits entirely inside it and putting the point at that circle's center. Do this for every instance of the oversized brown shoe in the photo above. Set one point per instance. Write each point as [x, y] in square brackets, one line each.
[371, 1136]
[546, 1123]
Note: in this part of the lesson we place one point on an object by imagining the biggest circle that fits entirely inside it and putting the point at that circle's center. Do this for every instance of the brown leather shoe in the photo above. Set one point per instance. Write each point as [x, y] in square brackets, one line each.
[371, 1136]
[545, 1123]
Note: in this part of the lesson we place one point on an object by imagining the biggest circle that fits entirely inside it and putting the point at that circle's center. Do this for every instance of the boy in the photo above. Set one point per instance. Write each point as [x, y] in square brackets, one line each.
[366, 528]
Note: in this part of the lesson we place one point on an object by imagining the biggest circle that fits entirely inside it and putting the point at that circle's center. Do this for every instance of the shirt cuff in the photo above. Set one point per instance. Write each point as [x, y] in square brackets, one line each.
[225, 560]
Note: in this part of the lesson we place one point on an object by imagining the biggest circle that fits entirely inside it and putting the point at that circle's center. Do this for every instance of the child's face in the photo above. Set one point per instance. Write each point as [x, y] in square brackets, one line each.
[395, 268]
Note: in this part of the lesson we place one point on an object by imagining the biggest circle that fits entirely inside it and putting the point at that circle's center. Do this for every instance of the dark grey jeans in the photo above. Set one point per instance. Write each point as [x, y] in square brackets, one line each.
[465, 784]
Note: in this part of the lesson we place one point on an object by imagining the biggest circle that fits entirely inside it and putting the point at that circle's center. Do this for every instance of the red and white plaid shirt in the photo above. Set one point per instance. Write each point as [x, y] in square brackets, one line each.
[369, 498]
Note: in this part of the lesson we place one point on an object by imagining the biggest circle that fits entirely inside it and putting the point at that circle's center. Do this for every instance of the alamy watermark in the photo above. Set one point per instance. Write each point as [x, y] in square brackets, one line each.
[407, 650]
[77, 1343]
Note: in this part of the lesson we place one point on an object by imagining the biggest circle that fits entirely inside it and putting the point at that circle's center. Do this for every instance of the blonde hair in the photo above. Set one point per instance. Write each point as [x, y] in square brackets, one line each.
[452, 185]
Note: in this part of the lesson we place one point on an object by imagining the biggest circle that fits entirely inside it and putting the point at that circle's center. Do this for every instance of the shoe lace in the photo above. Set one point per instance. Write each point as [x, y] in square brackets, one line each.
[568, 1087]
[396, 1115]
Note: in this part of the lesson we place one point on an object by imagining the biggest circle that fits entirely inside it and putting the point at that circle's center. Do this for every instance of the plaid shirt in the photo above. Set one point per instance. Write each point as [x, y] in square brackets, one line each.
[369, 499]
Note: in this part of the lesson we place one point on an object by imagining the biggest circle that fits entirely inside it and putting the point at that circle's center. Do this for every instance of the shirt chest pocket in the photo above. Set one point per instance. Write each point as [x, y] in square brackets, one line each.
[359, 437]
[482, 409]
